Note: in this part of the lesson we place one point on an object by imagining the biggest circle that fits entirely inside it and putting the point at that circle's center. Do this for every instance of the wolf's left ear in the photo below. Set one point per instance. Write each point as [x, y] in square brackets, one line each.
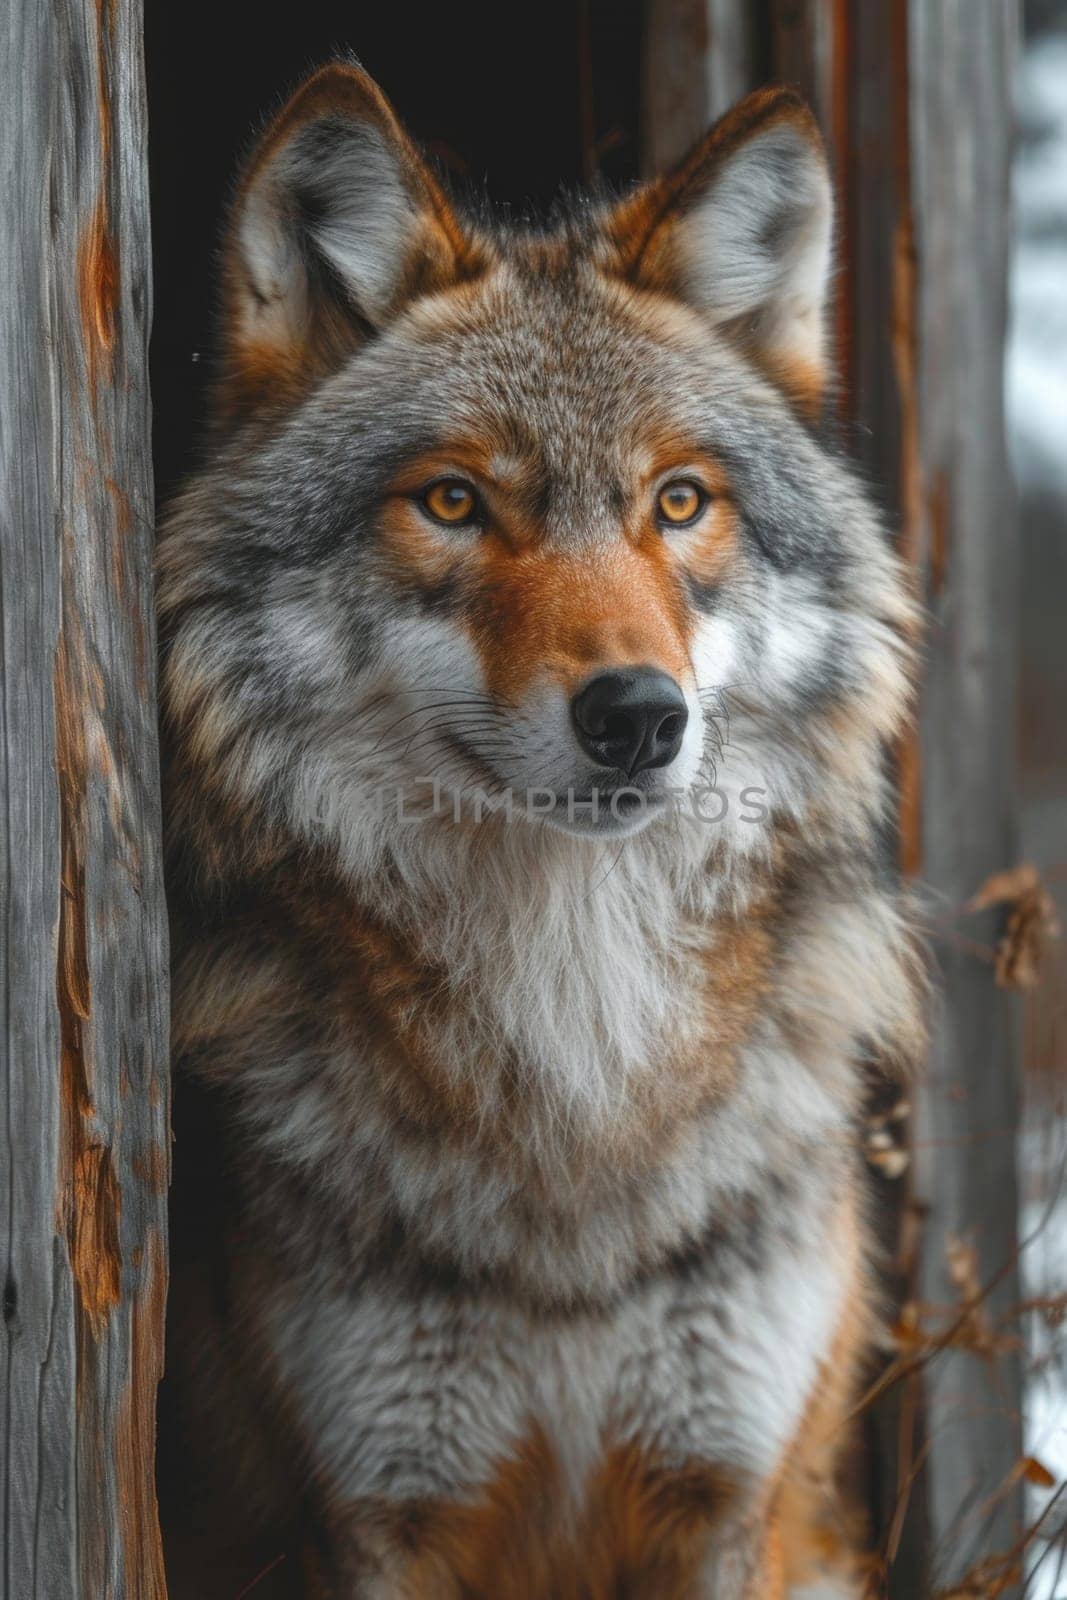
[337, 223]
[741, 231]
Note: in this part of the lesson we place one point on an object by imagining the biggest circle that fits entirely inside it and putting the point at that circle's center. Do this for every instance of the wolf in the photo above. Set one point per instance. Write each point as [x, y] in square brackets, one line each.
[531, 657]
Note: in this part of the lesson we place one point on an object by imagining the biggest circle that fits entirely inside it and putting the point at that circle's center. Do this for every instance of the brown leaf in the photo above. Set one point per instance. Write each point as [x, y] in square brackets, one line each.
[906, 1333]
[1032, 924]
[972, 1331]
[1035, 1472]
[987, 1581]
[1003, 887]
[963, 1272]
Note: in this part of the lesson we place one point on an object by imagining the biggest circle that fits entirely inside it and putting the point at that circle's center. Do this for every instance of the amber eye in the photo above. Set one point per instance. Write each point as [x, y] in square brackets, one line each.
[451, 501]
[680, 502]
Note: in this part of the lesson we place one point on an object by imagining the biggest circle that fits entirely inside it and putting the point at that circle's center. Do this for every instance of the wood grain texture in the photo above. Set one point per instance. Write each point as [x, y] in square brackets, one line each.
[700, 56]
[924, 144]
[964, 542]
[802, 45]
[83, 1113]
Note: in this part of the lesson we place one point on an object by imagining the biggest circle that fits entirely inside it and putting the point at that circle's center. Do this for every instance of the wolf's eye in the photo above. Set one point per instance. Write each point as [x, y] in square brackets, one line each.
[680, 502]
[451, 501]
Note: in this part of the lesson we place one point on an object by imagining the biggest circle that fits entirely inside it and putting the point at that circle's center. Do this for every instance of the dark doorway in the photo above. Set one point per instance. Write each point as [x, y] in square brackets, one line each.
[514, 102]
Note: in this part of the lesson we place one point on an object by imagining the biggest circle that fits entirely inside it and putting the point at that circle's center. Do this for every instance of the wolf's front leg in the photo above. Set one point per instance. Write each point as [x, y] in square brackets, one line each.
[743, 1556]
[360, 1554]
[745, 1563]
[371, 1554]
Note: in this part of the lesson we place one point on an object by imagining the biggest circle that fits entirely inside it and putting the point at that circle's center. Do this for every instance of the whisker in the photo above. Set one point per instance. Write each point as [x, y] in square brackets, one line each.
[442, 705]
[602, 880]
[432, 724]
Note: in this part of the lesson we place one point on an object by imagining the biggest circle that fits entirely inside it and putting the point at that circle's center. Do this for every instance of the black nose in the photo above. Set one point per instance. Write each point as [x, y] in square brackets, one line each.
[631, 720]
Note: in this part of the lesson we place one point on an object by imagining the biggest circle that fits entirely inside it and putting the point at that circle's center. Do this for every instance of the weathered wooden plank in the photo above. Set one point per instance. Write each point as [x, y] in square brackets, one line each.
[917, 110]
[700, 56]
[83, 1153]
[879, 328]
[803, 43]
[960, 59]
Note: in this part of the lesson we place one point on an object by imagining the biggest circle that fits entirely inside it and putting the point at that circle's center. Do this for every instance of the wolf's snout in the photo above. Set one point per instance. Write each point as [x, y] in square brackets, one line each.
[632, 720]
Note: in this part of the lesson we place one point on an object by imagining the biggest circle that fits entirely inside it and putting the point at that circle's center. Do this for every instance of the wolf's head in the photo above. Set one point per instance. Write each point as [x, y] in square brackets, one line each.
[541, 517]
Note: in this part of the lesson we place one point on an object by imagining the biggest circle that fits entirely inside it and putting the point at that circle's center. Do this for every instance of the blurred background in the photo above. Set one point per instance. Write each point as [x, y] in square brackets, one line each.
[1036, 371]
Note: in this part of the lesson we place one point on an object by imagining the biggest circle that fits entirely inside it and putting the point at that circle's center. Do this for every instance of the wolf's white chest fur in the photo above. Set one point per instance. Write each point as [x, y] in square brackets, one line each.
[426, 1398]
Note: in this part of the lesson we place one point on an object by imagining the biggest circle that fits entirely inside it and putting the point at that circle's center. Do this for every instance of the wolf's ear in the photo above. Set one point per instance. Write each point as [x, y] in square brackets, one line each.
[337, 223]
[741, 231]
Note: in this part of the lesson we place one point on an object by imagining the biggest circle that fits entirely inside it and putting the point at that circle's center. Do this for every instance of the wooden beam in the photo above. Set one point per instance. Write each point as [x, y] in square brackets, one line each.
[878, 319]
[962, 535]
[803, 44]
[700, 56]
[917, 110]
[83, 1113]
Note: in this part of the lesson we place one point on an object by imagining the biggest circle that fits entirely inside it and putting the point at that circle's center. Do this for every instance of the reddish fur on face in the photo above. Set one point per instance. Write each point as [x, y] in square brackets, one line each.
[549, 614]
[804, 381]
[538, 611]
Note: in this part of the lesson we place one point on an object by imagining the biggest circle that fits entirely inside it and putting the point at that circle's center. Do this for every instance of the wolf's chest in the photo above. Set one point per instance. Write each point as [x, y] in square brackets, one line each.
[433, 1397]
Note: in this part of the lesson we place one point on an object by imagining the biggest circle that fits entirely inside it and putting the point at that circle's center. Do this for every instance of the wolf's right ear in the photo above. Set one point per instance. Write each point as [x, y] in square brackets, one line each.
[337, 223]
[741, 231]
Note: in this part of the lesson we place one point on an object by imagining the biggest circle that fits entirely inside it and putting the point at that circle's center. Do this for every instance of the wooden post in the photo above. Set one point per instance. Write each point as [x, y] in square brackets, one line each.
[700, 56]
[927, 129]
[83, 1148]
[961, 533]
[915, 101]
